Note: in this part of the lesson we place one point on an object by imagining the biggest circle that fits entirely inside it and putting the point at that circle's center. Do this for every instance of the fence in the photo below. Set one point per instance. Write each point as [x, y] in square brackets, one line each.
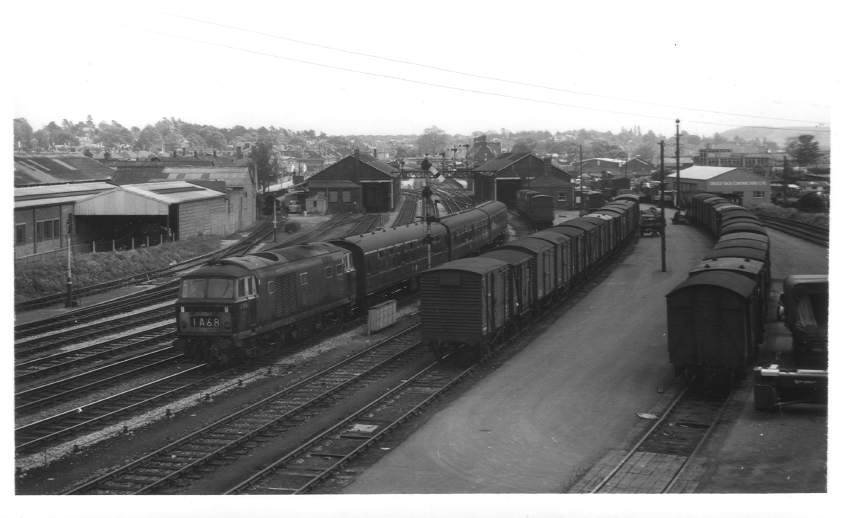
[109, 245]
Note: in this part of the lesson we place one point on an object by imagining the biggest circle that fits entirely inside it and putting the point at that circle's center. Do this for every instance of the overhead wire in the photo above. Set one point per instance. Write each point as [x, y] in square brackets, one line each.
[444, 86]
[486, 77]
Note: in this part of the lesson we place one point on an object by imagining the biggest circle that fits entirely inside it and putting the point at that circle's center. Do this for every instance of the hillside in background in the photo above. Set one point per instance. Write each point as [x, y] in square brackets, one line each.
[780, 135]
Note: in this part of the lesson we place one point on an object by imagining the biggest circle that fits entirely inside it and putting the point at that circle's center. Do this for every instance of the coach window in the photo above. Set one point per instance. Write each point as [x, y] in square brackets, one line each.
[304, 278]
[243, 287]
[328, 272]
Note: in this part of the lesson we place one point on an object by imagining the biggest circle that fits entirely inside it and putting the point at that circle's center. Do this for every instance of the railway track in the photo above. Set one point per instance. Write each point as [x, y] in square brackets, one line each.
[95, 415]
[30, 348]
[656, 462]
[84, 382]
[64, 360]
[327, 452]
[237, 435]
[155, 295]
[812, 233]
[407, 213]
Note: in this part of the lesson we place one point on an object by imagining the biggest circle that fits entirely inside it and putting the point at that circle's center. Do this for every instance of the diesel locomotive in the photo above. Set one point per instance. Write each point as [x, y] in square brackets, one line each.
[231, 309]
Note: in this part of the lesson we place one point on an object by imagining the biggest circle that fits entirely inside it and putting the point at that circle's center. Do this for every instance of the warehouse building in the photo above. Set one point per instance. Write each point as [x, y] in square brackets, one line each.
[180, 209]
[739, 186]
[500, 178]
[357, 183]
[42, 213]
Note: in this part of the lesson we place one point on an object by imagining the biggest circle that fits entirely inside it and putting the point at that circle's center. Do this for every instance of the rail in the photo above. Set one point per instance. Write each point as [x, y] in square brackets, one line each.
[812, 233]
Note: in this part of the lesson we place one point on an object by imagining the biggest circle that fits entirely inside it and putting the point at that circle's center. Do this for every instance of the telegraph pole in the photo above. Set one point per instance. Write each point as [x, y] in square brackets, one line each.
[677, 167]
[581, 178]
[662, 215]
[69, 284]
[426, 192]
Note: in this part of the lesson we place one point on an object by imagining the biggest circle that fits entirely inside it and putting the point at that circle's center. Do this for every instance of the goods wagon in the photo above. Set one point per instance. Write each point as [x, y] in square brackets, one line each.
[462, 300]
[536, 207]
[716, 317]
[562, 256]
[465, 305]
[712, 319]
[593, 239]
[578, 240]
[522, 279]
[543, 267]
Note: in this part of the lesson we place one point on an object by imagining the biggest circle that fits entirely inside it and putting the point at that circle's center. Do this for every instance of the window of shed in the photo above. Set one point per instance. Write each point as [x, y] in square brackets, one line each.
[757, 194]
[20, 233]
[561, 196]
[346, 196]
[334, 196]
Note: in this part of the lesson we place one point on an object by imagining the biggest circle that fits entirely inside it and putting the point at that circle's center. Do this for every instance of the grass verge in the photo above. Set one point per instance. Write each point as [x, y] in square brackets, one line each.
[37, 277]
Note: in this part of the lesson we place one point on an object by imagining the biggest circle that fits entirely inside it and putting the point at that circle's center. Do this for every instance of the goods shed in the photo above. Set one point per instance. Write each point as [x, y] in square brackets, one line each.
[357, 183]
[180, 209]
[42, 213]
[737, 185]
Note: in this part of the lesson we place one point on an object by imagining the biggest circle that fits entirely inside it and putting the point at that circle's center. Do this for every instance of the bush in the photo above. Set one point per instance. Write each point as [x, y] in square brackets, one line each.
[819, 219]
[47, 275]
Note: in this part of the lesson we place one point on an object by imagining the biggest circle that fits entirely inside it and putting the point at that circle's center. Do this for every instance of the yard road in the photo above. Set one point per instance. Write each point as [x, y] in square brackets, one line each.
[552, 411]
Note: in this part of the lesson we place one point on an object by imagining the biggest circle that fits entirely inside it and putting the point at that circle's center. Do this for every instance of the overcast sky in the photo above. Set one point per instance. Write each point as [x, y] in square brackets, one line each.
[398, 67]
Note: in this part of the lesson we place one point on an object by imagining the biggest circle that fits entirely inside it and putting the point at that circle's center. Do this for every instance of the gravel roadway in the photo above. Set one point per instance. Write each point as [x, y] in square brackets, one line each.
[550, 413]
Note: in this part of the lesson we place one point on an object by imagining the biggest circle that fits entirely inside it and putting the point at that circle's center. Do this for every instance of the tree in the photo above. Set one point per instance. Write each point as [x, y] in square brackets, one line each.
[23, 135]
[524, 145]
[264, 164]
[433, 141]
[804, 150]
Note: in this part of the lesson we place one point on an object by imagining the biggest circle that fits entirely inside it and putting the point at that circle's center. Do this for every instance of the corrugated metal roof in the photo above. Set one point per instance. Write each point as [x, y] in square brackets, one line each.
[36, 169]
[39, 195]
[149, 199]
[231, 176]
[702, 172]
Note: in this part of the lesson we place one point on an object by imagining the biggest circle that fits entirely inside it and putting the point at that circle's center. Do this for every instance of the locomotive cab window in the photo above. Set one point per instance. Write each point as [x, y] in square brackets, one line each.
[207, 288]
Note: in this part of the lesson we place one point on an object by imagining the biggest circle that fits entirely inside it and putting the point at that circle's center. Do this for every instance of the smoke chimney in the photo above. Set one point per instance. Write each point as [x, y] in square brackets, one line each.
[375, 152]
